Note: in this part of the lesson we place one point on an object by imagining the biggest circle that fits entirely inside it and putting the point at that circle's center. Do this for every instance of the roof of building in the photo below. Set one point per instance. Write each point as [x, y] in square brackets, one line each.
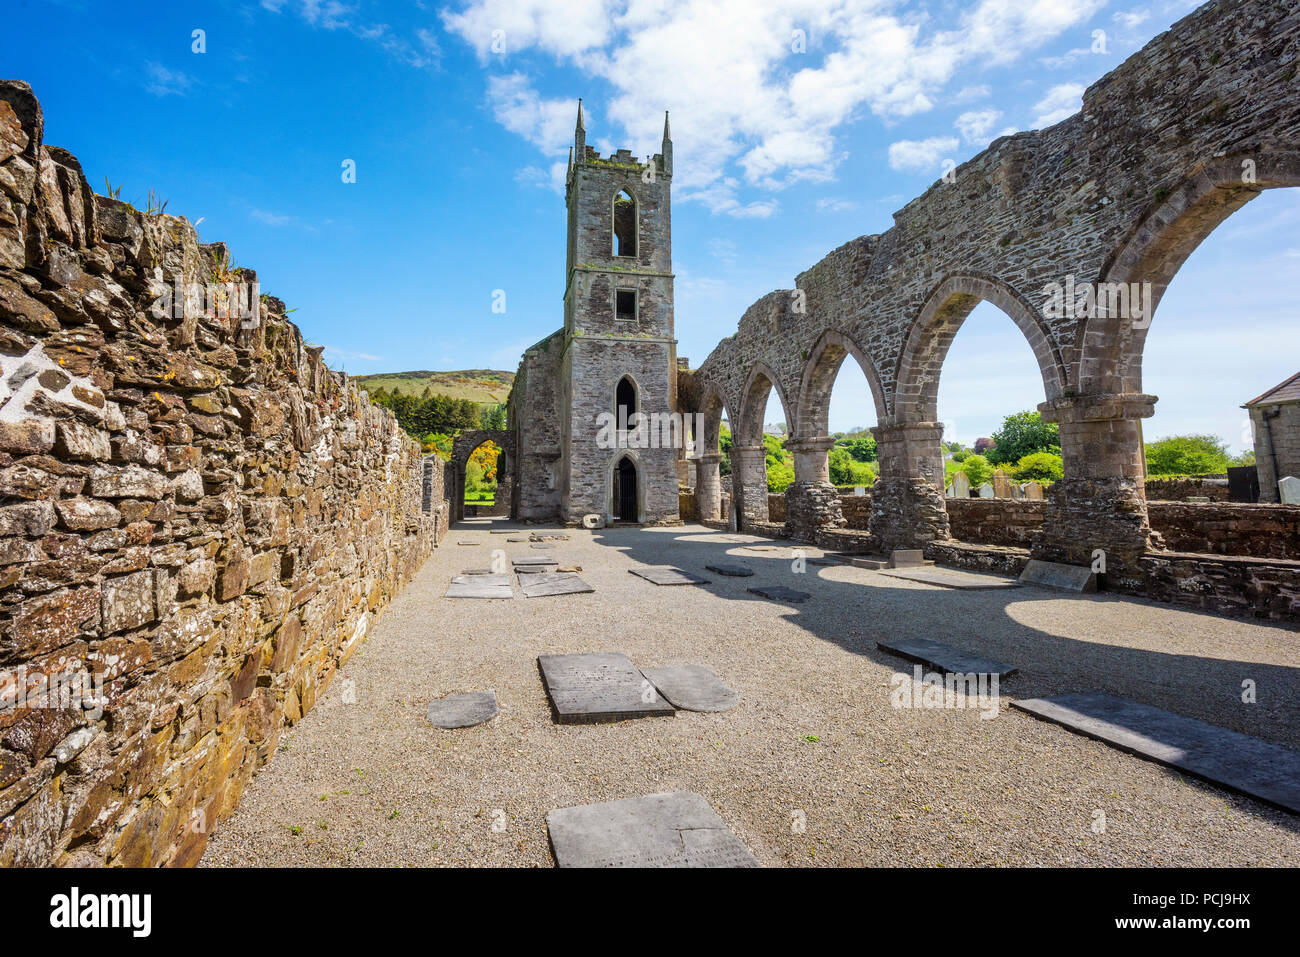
[1288, 391]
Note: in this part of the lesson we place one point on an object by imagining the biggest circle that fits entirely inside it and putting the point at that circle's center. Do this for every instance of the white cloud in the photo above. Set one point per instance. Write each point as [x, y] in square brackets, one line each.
[747, 111]
[536, 176]
[974, 125]
[268, 218]
[1130, 19]
[920, 155]
[1061, 101]
[835, 204]
[163, 82]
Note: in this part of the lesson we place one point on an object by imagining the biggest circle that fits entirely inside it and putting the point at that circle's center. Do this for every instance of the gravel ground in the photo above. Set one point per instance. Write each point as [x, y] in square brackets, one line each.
[373, 783]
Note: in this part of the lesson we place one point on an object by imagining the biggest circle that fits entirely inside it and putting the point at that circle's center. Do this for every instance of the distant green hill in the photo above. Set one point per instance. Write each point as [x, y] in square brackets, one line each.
[486, 386]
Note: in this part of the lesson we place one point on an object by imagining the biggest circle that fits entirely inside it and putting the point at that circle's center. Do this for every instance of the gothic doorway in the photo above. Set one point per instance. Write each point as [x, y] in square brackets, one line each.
[625, 491]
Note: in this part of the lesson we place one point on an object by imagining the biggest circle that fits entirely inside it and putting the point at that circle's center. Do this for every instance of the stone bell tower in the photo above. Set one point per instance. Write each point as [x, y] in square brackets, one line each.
[619, 349]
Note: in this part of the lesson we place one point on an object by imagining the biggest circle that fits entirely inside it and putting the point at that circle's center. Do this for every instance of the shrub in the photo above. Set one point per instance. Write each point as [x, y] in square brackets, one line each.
[977, 469]
[1039, 467]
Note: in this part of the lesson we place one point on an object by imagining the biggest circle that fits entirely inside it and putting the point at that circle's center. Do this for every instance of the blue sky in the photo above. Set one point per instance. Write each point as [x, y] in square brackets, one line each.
[458, 116]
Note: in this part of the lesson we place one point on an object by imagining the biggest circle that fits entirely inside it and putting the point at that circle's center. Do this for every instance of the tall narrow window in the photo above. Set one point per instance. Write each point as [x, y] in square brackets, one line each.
[625, 400]
[624, 224]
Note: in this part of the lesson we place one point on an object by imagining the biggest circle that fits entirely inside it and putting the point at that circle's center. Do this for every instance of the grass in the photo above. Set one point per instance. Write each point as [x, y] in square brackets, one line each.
[487, 386]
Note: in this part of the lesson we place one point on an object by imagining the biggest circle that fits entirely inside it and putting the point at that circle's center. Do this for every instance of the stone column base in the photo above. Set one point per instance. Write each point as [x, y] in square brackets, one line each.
[749, 483]
[1100, 523]
[907, 513]
[810, 506]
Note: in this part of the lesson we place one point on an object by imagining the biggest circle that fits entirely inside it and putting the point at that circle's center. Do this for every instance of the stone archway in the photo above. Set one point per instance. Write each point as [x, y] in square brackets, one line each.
[462, 447]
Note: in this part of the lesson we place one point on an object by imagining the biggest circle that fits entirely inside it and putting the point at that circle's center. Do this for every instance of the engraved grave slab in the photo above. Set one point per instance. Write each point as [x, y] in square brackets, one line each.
[602, 686]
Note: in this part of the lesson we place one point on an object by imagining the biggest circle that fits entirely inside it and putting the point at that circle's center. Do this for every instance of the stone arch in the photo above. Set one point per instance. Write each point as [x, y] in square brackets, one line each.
[820, 371]
[634, 387]
[463, 446]
[916, 389]
[753, 404]
[1157, 247]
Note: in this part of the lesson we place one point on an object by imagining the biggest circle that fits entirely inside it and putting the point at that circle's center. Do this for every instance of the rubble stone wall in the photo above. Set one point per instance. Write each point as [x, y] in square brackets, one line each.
[199, 522]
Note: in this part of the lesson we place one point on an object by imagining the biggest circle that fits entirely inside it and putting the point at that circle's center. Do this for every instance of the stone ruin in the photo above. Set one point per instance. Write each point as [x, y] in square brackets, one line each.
[199, 521]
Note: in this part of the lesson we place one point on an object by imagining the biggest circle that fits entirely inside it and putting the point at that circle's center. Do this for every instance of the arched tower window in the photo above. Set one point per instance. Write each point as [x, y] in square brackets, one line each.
[624, 224]
[624, 399]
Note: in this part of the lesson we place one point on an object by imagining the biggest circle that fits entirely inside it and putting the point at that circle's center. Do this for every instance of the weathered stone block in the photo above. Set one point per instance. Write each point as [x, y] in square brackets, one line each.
[87, 514]
[129, 602]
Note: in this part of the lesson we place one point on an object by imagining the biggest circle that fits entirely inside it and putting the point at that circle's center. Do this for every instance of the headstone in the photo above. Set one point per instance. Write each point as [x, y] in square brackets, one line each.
[960, 485]
[462, 710]
[944, 657]
[907, 558]
[1240, 763]
[1033, 491]
[986, 490]
[1017, 491]
[546, 584]
[668, 575]
[1001, 484]
[692, 688]
[677, 829]
[953, 578]
[947, 492]
[587, 688]
[859, 490]
[731, 571]
[1288, 490]
[1076, 578]
[781, 593]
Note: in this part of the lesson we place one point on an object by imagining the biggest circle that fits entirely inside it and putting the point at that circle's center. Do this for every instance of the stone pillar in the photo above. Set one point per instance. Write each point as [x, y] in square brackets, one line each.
[811, 501]
[1101, 504]
[749, 483]
[708, 487]
[907, 509]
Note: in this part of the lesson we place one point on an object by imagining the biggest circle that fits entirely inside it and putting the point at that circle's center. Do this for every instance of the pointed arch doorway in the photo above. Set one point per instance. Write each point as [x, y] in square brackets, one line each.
[625, 498]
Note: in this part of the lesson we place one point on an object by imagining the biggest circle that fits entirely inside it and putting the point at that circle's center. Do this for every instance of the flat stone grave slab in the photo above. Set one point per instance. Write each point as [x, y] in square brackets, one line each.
[466, 543]
[1076, 578]
[534, 564]
[477, 571]
[518, 538]
[504, 531]
[602, 686]
[824, 561]
[675, 829]
[692, 688]
[668, 575]
[952, 578]
[473, 586]
[780, 593]
[731, 571]
[545, 584]
[760, 548]
[541, 545]
[463, 710]
[487, 578]
[1259, 769]
[943, 657]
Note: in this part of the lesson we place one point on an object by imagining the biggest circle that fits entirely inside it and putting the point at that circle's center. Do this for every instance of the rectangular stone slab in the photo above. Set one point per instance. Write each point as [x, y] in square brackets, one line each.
[547, 583]
[952, 578]
[675, 829]
[943, 657]
[1076, 578]
[485, 579]
[731, 570]
[668, 575]
[907, 558]
[692, 688]
[1259, 769]
[603, 686]
[534, 560]
[780, 593]
[476, 589]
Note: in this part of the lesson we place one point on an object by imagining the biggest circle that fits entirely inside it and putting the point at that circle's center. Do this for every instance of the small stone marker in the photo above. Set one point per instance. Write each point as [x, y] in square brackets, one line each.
[588, 688]
[1001, 484]
[463, 542]
[593, 521]
[780, 593]
[1033, 491]
[1288, 490]
[668, 575]
[1235, 761]
[731, 571]
[960, 485]
[676, 829]
[692, 688]
[943, 657]
[952, 578]
[463, 710]
[859, 490]
[907, 558]
[546, 584]
[1017, 491]
[473, 586]
[986, 490]
[1076, 578]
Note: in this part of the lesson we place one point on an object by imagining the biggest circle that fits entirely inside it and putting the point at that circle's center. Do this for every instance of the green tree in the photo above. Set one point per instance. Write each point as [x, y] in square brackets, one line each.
[1039, 467]
[493, 417]
[861, 448]
[1187, 455]
[1023, 433]
[841, 465]
[977, 469]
